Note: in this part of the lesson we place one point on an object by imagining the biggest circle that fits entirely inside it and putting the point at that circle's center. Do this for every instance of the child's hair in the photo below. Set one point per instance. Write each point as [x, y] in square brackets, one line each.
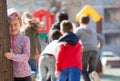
[26, 17]
[55, 34]
[66, 26]
[29, 20]
[62, 16]
[13, 14]
[84, 19]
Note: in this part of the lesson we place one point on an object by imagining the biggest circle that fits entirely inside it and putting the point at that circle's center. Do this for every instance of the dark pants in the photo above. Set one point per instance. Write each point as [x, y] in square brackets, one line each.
[89, 62]
[23, 79]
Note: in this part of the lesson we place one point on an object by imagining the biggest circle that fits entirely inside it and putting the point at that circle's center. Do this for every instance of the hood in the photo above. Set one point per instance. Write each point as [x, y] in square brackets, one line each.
[56, 26]
[70, 38]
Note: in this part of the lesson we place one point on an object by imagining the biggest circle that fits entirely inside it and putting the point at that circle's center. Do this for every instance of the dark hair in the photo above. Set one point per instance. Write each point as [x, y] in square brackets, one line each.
[62, 16]
[66, 26]
[55, 34]
[85, 19]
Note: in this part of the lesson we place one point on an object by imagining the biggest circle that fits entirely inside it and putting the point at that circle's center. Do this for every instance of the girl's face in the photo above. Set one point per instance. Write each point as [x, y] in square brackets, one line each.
[14, 26]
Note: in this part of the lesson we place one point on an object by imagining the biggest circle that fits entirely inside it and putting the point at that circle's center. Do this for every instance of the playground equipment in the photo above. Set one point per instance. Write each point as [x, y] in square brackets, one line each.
[90, 11]
[46, 18]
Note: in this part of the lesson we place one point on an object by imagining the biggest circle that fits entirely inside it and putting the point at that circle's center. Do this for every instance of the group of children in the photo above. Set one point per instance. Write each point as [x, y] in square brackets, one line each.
[67, 57]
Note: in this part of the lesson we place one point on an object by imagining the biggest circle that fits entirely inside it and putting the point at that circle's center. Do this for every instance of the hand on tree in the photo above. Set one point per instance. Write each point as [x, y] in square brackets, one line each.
[8, 55]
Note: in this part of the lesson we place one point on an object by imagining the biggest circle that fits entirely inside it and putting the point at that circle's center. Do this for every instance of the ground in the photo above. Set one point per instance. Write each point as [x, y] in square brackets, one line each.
[110, 74]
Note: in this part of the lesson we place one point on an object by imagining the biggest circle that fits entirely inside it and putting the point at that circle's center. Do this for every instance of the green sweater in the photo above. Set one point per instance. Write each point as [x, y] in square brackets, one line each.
[33, 34]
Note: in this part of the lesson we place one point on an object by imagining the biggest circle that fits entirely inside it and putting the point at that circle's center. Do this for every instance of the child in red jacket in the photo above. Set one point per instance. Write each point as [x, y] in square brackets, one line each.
[69, 56]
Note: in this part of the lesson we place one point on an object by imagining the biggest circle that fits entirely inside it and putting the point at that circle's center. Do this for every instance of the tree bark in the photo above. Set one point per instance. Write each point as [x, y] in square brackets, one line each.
[6, 73]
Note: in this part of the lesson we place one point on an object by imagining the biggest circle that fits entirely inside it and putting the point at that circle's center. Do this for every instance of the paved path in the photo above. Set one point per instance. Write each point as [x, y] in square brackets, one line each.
[110, 74]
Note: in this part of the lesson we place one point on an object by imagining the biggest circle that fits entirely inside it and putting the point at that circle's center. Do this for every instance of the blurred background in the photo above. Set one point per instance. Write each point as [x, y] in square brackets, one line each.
[109, 9]
[110, 12]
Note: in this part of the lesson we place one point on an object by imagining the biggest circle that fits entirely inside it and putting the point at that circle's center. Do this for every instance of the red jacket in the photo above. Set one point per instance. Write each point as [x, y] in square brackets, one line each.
[68, 56]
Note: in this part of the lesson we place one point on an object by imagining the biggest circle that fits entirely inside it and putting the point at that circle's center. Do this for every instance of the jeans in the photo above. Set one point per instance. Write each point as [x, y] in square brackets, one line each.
[72, 73]
[89, 62]
[33, 66]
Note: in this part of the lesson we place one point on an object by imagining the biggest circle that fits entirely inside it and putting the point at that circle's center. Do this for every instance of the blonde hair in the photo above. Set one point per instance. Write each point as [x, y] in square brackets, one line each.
[26, 17]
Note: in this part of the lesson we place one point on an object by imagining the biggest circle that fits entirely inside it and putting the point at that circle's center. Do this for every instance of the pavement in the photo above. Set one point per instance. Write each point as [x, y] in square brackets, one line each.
[110, 74]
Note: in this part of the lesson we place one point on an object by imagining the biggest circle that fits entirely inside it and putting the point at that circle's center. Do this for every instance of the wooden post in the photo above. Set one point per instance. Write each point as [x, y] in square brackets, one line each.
[99, 26]
[6, 73]
[99, 68]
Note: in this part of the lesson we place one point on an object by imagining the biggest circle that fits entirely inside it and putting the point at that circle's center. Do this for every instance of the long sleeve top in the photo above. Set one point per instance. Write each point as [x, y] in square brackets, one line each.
[33, 34]
[88, 38]
[20, 46]
[51, 48]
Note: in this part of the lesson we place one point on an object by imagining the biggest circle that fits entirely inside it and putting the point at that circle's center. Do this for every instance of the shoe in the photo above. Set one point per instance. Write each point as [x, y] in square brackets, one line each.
[94, 76]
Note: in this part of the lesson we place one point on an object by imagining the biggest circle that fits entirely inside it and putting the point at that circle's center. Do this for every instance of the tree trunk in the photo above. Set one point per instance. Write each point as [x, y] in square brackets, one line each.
[5, 65]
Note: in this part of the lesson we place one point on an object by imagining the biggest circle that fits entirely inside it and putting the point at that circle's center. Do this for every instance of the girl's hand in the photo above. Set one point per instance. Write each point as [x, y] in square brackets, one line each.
[8, 55]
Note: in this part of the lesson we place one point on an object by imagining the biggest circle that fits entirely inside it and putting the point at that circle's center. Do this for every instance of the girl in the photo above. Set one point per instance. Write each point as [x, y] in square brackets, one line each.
[32, 26]
[20, 48]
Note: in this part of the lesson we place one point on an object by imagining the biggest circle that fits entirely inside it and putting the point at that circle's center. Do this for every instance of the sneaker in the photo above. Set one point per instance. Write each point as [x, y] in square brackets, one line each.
[94, 76]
